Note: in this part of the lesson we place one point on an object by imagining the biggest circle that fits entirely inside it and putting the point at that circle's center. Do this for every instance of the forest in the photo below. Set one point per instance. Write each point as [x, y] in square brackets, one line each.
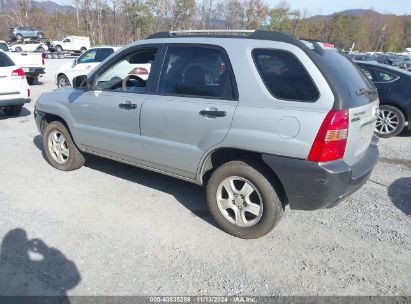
[117, 22]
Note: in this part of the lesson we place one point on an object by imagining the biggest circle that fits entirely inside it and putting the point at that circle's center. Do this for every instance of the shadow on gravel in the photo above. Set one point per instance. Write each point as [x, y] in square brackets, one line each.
[400, 194]
[189, 195]
[30, 267]
[24, 112]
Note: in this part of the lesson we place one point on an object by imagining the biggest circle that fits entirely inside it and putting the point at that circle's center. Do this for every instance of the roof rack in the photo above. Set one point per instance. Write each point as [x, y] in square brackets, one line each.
[246, 34]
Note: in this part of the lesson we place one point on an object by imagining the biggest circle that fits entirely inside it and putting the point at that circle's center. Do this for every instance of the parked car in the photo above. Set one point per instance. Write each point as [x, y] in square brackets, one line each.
[32, 63]
[262, 119]
[83, 64]
[72, 44]
[29, 46]
[394, 89]
[388, 59]
[362, 57]
[21, 32]
[14, 90]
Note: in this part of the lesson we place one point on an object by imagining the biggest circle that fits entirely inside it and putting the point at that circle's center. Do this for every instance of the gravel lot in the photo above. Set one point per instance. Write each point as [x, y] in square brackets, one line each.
[112, 229]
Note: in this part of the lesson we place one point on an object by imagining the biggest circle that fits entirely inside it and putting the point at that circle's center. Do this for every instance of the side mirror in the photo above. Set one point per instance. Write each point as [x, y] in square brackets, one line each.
[80, 82]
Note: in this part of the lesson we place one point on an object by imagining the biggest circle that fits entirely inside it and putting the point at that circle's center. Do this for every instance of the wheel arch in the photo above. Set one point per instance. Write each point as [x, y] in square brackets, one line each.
[222, 155]
[62, 74]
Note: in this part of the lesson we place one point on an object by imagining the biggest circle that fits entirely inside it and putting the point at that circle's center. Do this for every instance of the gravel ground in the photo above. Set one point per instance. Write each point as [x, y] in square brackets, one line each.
[112, 229]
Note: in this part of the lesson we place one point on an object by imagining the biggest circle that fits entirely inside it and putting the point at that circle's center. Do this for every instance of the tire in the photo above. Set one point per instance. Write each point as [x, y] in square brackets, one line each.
[390, 122]
[83, 49]
[31, 80]
[19, 37]
[65, 155]
[40, 49]
[39, 36]
[59, 49]
[18, 49]
[62, 81]
[263, 219]
[12, 110]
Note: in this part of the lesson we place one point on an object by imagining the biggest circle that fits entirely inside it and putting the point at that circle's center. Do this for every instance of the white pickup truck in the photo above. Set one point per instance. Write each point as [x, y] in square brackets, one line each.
[72, 44]
[32, 63]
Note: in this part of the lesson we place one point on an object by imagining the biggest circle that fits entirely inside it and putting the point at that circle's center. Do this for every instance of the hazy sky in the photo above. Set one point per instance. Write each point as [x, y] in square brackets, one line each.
[315, 7]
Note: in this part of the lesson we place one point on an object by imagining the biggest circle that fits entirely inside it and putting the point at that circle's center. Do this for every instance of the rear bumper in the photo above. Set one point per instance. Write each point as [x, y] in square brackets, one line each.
[14, 101]
[310, 186]
[34, 71]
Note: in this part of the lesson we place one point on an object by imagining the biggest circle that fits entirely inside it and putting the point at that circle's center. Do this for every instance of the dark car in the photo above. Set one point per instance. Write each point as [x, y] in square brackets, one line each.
[394, 90]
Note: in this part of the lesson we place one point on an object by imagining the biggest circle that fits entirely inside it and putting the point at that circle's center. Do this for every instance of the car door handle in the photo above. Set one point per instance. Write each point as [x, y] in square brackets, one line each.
[213, 113]
[127, 106]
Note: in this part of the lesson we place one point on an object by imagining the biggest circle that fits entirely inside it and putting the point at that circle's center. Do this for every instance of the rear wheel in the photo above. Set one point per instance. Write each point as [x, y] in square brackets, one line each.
[40, 49]
[62, 81]
[60, 149]
[19, 36]
[242, 200]
[59, 49]
[12, 110]
[390, 121]
[40, 36]
[83, 49]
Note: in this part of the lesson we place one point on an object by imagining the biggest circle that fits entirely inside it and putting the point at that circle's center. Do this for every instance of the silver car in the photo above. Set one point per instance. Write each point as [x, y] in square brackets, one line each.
[263, 120]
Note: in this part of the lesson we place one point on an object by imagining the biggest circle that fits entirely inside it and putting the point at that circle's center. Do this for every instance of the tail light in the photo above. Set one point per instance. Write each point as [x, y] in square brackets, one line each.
[18, 72]
[28, 92]
[42, 59]
[138, 71]
[331, 139]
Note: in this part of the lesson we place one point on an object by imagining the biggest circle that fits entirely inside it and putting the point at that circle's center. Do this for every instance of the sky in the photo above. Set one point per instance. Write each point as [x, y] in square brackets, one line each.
[325, 7]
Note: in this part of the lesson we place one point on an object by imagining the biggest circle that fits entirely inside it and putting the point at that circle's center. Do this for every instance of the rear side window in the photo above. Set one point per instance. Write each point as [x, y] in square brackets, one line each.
[103, 53]
[199, 71]
[285, 76]
[4, 47]
[5, 60]
[386, 76]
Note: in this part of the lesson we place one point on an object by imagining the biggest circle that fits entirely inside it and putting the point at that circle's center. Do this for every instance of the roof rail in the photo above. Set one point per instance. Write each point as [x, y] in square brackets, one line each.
[247, 34]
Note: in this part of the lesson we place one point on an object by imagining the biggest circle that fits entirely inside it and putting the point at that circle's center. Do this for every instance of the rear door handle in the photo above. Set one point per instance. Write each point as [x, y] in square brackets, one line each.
[127, 106]
[213, 113]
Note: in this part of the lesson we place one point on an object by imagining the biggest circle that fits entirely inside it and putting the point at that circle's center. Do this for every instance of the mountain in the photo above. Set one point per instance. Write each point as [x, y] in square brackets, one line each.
[49, 7]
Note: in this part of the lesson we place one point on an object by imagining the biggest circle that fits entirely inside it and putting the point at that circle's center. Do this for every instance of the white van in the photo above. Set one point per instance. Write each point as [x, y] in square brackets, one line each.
[72, 43]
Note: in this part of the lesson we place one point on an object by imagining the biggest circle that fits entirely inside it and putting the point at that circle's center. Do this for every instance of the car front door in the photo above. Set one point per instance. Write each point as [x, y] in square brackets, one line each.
[192, 110]
[108, 115]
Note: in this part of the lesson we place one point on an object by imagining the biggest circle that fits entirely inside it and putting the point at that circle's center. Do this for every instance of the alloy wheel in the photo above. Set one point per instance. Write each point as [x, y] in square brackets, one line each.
[387, 122]
[239, 201]
[58, 147]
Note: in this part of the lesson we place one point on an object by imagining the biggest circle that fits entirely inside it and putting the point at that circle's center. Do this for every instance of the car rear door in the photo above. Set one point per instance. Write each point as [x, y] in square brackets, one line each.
[192, 110]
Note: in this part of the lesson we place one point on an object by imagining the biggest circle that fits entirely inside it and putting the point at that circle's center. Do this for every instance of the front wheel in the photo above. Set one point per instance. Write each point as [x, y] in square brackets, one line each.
[62, 81]
[60, 149]
[242, 200]
[12, 110]
[390, 122]
[59, 49]
[18, 49]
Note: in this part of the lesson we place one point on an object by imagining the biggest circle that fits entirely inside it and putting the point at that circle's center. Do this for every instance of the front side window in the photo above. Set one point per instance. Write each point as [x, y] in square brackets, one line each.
[367, 73]
[196, 71]
[130, 74]
[284, 75]
[88, 56]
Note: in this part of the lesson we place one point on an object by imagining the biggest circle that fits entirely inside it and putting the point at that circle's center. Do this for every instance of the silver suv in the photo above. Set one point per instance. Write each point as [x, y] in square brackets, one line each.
[262, 119]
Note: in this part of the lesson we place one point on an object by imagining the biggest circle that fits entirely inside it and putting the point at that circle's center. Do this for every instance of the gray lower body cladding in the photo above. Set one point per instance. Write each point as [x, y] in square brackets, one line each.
[310, 186]
[14, 102]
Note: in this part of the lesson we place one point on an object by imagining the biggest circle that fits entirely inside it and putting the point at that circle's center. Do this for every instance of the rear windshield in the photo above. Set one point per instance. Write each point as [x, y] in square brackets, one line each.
[346, 78]
[5, 60]
[284, 75]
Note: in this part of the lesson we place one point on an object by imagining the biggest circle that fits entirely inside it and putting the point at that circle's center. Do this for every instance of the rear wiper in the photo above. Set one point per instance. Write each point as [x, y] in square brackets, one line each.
[365, 91]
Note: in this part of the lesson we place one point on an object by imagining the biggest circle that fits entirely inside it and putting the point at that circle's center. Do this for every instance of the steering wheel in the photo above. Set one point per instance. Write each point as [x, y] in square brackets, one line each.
[141, 81]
